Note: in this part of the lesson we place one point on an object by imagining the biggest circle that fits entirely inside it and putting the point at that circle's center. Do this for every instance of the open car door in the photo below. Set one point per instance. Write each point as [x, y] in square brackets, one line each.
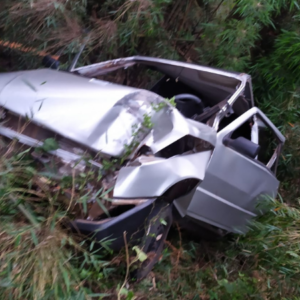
[241, 170]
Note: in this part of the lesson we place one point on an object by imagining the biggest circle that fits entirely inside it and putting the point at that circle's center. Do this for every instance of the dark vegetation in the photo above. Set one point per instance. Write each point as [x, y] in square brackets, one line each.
[41, 260]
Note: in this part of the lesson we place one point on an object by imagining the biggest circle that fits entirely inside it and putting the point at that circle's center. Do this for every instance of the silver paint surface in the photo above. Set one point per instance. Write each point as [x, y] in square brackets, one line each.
[95, 113]
[154, 178]
[233, 184]
[170, 125]
[100, 115]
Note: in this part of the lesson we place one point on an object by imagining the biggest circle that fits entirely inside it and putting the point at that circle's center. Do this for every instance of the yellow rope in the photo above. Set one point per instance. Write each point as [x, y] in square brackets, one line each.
[22, 48]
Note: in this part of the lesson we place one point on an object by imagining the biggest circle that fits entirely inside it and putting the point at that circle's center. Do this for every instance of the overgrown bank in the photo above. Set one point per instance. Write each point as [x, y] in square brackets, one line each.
[248, 36]
[258, 37]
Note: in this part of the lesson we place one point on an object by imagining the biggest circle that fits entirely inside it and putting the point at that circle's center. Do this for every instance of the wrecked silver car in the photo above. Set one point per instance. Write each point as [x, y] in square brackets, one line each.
[191, 145]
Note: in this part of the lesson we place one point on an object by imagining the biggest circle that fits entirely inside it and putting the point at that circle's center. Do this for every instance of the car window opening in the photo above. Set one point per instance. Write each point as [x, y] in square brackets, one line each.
[146, 77]
[184, 146]
[263, 147]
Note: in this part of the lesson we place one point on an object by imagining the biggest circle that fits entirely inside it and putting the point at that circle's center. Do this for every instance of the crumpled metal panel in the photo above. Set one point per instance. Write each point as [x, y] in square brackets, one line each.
[152, 179]
[155, 175]
[170, 125]
[95, 113]
[234, 184]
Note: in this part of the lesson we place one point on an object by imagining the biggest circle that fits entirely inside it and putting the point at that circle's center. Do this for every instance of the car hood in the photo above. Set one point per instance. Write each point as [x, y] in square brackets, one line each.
[97, 114]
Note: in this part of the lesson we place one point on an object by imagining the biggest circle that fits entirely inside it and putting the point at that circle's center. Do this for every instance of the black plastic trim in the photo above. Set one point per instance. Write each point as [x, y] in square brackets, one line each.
[132, 221]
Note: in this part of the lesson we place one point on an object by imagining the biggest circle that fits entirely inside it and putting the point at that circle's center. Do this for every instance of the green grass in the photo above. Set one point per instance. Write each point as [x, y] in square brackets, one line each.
[41, 259]
[263, 264]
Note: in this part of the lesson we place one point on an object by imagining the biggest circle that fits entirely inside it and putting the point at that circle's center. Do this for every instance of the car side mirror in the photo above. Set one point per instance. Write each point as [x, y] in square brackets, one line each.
[243, 146]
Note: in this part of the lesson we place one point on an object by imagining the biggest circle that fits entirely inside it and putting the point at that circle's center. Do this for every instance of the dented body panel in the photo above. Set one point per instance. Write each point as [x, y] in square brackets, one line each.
[172, 126]
[215, 143]
[160, 175]
[97, 114]
[231, 190]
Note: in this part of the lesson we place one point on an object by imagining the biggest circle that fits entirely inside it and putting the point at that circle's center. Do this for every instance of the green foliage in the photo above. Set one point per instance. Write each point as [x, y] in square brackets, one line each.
[275, 240]
[147, 121]
[141, 256]
[258, 37]
[40, 257]
[263, 264]
[161, 105]
[50, 145]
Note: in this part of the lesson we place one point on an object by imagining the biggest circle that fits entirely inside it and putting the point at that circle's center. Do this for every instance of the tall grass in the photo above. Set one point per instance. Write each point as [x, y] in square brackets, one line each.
[263, 264]
[41, 259]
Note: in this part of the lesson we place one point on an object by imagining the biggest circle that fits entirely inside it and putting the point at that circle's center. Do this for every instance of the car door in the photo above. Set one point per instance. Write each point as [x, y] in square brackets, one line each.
[235, 178]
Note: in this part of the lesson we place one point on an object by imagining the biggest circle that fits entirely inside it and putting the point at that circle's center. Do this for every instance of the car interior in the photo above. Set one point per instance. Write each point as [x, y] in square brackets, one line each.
[198, 95]
[200, 99]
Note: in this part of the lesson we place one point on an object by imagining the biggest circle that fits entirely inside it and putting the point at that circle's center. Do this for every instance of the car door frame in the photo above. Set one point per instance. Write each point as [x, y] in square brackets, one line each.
[210, 205]
[253, 112]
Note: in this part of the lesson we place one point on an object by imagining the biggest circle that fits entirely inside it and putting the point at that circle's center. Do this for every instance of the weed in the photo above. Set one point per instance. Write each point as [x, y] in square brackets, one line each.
[40, 256]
